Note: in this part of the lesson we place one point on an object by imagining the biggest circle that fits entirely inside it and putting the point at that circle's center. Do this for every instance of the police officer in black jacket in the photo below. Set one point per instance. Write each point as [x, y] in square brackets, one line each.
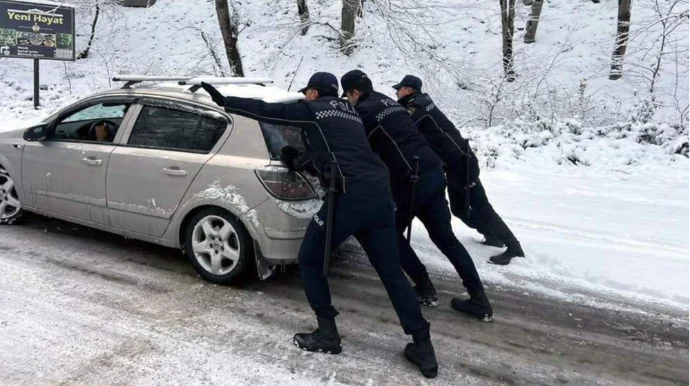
[462, 170]
[363, 208]
[395, 138]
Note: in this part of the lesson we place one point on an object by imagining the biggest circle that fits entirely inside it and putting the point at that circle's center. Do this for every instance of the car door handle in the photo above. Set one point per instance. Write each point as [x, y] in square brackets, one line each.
[18, 146]
[92, 161]
[175, 171]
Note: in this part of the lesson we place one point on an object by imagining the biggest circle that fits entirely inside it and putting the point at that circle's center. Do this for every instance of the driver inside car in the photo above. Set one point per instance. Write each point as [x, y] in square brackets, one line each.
[102, 132]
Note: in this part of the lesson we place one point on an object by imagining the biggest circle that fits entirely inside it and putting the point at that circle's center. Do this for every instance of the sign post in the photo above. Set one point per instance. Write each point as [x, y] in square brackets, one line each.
[36, 84]
[36, 29]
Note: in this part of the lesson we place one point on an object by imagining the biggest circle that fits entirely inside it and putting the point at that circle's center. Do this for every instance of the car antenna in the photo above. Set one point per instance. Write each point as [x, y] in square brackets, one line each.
[295, 73]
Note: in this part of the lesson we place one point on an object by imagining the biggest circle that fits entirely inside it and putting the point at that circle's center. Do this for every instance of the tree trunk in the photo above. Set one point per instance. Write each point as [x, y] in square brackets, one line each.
[508, 29]
[85, 53]
[303, 12]
[533, 22]
[360, 10]
[228, 28]
[622, 35]
[347, 26]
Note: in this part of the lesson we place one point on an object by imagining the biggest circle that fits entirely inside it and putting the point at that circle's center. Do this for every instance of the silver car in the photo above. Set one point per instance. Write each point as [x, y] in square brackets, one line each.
[164, 164]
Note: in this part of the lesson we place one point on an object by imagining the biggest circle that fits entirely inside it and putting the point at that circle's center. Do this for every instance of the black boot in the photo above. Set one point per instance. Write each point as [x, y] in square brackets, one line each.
[478, 306]
[422, 354]
[514, 250]
[426, 293]
[324, 339]
[492, 241]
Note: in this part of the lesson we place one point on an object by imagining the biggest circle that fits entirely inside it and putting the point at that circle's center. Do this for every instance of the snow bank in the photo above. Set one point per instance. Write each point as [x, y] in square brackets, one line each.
[605, 234]
[568, 143]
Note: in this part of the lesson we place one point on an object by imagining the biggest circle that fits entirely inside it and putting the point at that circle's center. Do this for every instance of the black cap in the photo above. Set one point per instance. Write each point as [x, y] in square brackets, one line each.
[322, 81]
[355, 79]
[410, 81]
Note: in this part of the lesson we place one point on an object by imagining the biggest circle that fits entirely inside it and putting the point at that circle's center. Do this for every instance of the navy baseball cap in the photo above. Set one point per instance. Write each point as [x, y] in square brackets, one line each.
[353, 79]
[409, 81]
[324, 81]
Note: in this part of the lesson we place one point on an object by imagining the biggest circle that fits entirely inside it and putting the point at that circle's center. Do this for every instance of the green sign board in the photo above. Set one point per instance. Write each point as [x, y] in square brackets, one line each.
[36, 30]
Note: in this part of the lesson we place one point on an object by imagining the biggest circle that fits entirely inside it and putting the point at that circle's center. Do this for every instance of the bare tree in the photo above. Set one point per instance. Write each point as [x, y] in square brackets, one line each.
[229, 29]
[622, 35]
[85, 53]
[533, 22]
[360, 10]
[508, 29]
[303, 11]
[347, 25]
[669, 22]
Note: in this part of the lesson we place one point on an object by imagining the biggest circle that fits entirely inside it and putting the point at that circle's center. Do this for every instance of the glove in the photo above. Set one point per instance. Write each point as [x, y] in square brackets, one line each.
[289, 156]
[217, 97]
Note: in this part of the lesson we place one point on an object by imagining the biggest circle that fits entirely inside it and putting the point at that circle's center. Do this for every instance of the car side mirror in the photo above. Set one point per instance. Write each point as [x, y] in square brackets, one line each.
[36, 133]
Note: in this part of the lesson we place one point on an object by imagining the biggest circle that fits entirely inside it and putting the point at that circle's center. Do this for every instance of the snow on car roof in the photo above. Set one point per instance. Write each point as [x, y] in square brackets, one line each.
[269, 94]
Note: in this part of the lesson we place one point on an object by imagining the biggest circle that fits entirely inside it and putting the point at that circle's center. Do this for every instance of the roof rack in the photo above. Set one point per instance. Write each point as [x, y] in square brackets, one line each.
[134, 79]
[196, 82]
[186, 80]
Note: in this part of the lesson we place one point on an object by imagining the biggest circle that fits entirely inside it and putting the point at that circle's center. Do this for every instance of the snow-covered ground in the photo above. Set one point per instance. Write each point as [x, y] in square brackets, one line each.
[81, 307]
[616, 223]
[616, 234]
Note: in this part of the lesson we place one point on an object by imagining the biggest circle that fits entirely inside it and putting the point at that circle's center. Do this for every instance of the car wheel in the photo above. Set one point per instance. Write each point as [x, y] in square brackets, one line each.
[218, 246]
[10, 207]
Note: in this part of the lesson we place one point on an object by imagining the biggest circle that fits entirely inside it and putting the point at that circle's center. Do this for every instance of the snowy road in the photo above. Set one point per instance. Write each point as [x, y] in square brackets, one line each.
[78, 306]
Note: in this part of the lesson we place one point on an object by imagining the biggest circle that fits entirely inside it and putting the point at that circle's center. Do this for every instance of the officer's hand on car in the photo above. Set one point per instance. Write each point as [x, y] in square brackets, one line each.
[289, 156]
[217, 97]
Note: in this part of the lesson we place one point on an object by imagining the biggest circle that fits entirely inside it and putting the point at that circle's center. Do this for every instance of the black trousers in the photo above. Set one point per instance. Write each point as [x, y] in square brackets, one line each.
[480, 215]
[373, 225]
[431, 208]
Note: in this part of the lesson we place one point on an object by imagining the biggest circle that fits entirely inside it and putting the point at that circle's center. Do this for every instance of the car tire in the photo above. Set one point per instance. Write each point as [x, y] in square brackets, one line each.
[11, 211]
[218, 246]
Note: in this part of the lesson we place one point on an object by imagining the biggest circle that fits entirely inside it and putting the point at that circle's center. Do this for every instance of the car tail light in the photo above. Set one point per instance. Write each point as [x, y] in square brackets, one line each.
[285, 184]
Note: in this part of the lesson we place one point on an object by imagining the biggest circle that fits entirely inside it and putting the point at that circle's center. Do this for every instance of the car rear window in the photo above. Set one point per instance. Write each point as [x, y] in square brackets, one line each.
[175, 129]
[277, 136]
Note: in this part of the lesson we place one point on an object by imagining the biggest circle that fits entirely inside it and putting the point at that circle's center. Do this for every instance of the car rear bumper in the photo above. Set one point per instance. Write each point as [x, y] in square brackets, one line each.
[278, 227]
[281, 252]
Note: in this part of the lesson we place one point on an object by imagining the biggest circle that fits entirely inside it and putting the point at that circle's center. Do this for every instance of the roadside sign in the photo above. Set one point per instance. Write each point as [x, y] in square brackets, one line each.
[37, 30]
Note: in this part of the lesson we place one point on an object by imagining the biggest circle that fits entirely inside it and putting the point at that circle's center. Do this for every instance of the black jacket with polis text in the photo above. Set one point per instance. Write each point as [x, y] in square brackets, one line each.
[394, 137]
[333, 131]
[438, 130]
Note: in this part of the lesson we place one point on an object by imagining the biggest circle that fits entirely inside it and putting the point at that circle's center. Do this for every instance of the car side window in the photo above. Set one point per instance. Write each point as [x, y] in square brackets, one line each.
[278, 136]
[177, 128]
[95, 123]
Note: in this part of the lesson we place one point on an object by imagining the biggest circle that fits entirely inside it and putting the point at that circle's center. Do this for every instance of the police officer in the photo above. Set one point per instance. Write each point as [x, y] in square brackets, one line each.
[462, 170]
[363, 208]
[409, 158]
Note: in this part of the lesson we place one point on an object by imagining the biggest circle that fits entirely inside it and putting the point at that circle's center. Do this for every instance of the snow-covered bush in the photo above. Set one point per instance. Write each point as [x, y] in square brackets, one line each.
[569, 142]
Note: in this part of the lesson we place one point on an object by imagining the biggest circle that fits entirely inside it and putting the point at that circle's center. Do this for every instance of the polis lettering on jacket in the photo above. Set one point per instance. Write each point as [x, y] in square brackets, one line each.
[389, 102]
[343, 106]
[48, 20]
